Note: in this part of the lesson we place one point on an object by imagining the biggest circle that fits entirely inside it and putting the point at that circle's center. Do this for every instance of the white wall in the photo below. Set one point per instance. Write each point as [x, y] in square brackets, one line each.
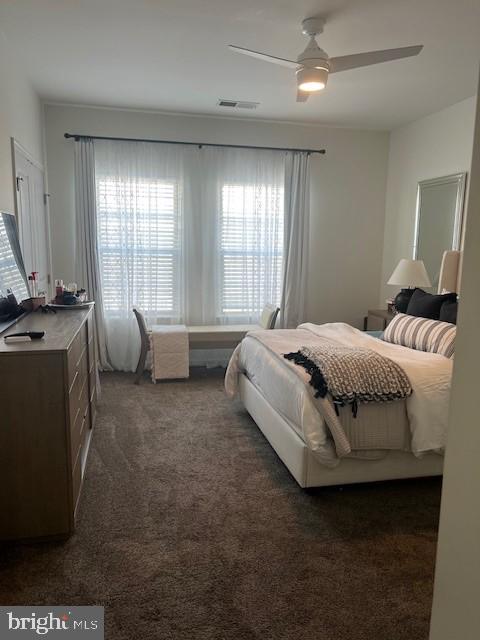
[437, 145]
[20, 117]
[348, 193]
[456, 611]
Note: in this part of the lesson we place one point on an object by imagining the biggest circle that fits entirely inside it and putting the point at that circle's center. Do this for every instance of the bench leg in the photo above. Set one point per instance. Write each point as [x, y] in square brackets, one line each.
[141, 364]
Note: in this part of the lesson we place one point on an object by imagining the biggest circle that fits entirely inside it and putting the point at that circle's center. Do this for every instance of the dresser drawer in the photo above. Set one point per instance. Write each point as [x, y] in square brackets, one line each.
[93, 406]
[79, 403]
[82, 365]
[81, 459]
[77, 431]
[73, 355]
[79, 375]
[92, 375]
[90, 326]
[74, 397]
[76, 480]
[75, 352]
[91, 353]
[93, 415]
[80, 381]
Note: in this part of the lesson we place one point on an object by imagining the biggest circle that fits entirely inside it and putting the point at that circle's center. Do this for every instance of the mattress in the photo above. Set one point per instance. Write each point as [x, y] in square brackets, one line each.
[288, 394]
[417, 424]
[284, 390]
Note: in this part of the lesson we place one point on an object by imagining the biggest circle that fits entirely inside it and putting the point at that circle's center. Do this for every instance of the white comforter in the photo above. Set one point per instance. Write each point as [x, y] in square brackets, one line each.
[429, 376]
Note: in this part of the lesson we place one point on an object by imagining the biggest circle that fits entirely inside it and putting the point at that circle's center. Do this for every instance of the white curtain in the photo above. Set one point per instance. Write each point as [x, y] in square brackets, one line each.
[140, 201]
[188, 234]
[296, 220]
[87, 271]
[234, 250]
[242, 207]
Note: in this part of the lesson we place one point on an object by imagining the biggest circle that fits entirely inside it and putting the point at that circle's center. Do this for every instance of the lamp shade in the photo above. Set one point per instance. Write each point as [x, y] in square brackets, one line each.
[410, 273]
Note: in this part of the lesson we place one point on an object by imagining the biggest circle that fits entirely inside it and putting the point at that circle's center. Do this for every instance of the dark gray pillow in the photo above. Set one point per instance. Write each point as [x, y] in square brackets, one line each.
[428, 305]
[448, 311]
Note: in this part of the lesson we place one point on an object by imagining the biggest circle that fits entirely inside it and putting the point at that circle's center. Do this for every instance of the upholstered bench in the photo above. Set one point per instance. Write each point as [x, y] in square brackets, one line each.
[227, 336]
[222, 336]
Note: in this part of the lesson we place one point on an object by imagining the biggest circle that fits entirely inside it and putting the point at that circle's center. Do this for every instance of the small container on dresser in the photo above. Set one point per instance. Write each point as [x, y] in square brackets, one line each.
[48, 393]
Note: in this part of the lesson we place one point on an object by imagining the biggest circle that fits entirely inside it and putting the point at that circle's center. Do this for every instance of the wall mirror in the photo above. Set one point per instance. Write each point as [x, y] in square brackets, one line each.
[438, 224]
[12, 271]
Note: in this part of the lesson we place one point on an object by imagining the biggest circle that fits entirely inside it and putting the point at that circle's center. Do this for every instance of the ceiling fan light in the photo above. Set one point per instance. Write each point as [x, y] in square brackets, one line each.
[311, 86]
[311, 79]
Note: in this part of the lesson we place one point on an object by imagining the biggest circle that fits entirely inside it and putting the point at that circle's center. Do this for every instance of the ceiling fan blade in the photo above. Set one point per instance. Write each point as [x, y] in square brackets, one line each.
[302, 96]
[265, 57]
[343, 63]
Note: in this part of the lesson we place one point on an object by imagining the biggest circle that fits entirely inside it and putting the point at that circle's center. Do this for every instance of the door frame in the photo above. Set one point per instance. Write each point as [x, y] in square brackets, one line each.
[17, 148]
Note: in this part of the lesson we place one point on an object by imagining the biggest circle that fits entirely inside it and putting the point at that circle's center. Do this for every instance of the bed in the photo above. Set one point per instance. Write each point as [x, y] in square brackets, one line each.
[285, 411]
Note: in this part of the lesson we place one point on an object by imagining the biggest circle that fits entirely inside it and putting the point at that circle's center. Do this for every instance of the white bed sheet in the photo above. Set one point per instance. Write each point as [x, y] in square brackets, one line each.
[430, 376]
[284, 390]
[288, 394]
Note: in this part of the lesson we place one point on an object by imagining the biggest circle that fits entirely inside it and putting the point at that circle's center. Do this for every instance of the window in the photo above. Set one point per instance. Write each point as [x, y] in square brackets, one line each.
[191, 236]
[139, 245]
[251, 248]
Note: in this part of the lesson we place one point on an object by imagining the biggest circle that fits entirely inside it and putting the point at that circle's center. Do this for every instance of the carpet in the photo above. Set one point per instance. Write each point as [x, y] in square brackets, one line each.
[191, 528]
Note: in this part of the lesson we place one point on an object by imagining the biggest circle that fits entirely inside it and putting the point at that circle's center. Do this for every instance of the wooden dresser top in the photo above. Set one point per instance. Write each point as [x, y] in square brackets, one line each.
[60, 329]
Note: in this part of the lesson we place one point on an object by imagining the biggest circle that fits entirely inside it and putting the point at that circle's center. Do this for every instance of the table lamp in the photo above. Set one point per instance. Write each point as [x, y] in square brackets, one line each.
[408, 274]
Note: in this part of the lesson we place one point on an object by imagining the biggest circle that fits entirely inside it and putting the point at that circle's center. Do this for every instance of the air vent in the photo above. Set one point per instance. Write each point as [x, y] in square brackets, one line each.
[238, 104]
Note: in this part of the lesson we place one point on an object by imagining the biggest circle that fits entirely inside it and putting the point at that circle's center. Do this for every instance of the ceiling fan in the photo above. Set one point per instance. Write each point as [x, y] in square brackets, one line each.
[313, 66]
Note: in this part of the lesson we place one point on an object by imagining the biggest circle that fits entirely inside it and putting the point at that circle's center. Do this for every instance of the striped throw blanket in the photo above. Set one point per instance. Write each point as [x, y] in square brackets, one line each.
[352, 375]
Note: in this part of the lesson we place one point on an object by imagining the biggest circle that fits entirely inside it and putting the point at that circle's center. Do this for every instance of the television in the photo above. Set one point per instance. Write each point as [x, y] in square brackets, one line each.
[13, 278]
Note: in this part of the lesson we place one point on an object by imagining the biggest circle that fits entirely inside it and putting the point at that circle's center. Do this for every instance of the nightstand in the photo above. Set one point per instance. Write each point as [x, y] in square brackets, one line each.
[377, 319]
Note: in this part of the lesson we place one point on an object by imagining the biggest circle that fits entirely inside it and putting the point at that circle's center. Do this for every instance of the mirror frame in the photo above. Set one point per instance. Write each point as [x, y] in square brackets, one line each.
[460, 179]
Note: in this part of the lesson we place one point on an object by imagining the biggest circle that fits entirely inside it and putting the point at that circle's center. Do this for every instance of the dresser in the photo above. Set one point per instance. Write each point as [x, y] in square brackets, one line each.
[48, 397]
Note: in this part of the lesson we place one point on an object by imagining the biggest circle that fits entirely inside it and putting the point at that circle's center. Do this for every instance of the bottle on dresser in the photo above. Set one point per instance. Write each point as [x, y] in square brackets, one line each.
[59, 289]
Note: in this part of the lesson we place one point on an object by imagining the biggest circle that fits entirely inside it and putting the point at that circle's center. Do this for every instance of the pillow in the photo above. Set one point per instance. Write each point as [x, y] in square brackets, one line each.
[427, 305]
[448, 311]
[422, 334]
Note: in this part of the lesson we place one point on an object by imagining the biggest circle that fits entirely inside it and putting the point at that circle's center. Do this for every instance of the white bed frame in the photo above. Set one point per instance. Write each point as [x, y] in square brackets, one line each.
[302, 463]
[308, 471]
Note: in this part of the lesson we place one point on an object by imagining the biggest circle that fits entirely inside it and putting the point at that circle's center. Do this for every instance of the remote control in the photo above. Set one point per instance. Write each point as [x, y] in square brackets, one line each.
[24, 336]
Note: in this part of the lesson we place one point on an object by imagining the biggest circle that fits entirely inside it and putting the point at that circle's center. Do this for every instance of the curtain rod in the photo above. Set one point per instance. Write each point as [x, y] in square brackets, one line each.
[78, 136]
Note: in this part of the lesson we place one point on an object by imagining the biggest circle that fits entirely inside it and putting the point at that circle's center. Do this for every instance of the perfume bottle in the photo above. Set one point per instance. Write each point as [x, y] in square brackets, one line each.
[59, 291]
[32, 281]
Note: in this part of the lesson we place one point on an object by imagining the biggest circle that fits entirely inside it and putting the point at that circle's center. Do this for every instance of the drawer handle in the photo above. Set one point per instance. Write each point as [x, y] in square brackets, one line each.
[80, 358]
[73, 381]
[76, 415]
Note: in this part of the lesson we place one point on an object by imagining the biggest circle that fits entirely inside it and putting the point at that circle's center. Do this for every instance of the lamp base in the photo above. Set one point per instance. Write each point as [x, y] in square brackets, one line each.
[402, 299]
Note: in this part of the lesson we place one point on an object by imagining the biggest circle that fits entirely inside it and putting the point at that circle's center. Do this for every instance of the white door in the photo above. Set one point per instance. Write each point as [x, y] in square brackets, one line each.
[32, 218]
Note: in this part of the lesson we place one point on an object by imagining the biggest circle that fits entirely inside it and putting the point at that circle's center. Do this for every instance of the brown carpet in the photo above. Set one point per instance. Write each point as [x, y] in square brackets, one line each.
[191, 528]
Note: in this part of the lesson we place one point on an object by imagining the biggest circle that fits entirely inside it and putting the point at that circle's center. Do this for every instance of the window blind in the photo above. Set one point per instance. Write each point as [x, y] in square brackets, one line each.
[251, 248]
[139, 243]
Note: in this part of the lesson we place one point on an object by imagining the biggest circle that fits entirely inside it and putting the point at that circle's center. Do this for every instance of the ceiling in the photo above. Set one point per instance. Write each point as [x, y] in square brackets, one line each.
[171, 55]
